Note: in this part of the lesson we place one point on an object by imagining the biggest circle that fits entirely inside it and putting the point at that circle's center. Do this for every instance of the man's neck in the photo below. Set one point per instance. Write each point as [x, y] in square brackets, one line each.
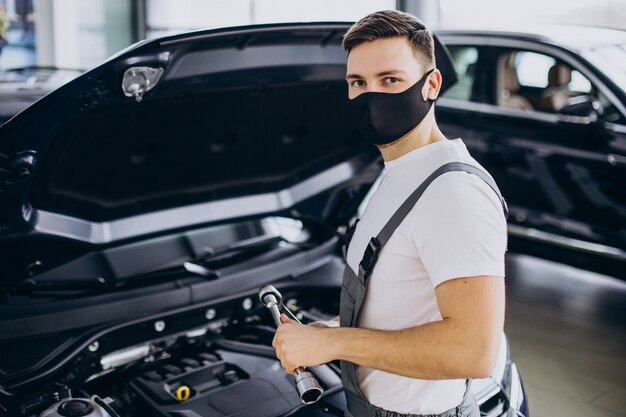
[423, 134]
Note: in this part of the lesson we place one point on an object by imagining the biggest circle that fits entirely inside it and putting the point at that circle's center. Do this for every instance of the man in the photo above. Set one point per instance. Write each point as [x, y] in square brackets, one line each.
[433, 307]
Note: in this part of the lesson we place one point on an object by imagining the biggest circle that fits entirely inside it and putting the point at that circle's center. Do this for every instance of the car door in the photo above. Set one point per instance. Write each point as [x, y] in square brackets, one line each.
[561, 177]
[457, 109]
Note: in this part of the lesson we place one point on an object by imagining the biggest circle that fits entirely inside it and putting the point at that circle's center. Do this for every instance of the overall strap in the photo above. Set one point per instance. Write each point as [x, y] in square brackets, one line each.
[376, 243]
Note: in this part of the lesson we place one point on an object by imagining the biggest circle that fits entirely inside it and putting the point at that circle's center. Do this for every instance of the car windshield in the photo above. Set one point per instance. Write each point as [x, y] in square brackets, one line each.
[611, 60]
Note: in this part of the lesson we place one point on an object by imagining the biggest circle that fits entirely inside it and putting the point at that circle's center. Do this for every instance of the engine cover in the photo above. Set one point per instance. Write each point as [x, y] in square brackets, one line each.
[219, 384]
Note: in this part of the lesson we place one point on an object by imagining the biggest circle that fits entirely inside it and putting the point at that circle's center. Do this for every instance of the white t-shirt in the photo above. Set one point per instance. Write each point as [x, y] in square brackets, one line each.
[456, 229]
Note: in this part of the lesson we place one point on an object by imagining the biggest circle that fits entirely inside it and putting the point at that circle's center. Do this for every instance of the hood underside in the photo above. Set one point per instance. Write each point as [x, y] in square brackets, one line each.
[239, 122]
[158, 154]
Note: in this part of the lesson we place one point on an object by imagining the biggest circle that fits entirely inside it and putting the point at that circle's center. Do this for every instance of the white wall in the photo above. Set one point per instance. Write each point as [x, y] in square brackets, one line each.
[499, 13]
[79, 33]
[172, 16]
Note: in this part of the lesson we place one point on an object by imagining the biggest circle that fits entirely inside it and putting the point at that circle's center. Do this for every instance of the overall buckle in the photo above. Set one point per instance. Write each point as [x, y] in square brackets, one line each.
[370, 257]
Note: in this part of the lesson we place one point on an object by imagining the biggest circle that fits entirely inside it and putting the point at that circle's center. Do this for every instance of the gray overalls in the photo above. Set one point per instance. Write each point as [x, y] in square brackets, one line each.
[354, 288]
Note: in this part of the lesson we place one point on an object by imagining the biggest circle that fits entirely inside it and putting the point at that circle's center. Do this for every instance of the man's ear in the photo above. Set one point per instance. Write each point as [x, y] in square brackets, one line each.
[433, 84]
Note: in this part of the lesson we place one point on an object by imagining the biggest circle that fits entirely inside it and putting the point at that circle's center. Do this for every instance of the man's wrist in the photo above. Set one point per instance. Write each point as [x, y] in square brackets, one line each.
[334, 340]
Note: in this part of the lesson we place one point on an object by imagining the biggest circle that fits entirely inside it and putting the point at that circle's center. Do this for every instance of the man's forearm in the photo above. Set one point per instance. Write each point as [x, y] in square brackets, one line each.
[464, 344]
[437, 350]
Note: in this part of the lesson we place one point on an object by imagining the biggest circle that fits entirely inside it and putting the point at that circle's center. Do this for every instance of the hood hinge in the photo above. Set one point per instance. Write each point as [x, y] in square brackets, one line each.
[138, 80]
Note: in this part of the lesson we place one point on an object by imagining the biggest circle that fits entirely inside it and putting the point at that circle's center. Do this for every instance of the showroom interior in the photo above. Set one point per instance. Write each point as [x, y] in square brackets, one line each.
[149, 149]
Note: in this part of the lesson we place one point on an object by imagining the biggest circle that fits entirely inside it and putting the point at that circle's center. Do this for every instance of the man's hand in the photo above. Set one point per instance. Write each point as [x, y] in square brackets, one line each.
[298, 345]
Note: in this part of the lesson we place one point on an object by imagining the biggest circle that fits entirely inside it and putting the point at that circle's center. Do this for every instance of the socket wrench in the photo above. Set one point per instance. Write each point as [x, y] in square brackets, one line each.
[307, 386]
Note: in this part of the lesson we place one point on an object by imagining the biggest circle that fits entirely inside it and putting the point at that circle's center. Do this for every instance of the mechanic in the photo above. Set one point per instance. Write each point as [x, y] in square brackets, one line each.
[413, 331]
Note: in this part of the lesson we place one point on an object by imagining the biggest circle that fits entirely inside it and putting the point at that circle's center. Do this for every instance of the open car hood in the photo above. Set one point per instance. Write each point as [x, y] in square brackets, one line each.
[188, 130]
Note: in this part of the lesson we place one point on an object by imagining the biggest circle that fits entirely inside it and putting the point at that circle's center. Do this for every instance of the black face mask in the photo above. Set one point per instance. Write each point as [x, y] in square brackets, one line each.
[385, 117]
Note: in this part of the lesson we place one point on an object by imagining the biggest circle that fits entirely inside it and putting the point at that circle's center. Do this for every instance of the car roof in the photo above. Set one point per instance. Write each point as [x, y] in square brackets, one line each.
[576, 38]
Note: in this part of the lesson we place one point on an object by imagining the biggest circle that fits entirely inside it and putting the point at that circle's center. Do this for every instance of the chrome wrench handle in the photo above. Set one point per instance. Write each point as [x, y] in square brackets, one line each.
[307, 386]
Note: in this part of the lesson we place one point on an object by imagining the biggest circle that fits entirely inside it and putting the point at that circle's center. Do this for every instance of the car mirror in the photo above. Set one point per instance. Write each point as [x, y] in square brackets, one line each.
[582, 110]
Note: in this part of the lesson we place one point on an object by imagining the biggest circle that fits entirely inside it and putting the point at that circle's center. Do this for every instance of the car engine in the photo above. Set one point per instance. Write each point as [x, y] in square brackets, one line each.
[224, 367]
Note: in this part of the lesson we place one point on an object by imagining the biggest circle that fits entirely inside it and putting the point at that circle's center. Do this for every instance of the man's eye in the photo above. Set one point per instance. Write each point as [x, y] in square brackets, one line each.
[357, 83]
[391, 80]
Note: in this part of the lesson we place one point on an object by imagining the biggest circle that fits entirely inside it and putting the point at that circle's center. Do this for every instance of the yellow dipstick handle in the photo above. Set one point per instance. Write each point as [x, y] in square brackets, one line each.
[182, 393]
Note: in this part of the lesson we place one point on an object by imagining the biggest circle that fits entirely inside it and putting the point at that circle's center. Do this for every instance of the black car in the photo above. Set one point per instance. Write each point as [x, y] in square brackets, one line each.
[544, 110]
[143, 205]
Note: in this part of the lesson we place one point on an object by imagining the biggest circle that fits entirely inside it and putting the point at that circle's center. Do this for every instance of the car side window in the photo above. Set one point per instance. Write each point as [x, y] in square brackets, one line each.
[465, 59]
[537, 82]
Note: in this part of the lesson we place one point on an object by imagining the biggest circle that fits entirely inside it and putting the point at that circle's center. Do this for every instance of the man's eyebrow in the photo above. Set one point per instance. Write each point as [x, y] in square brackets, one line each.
[380, 74]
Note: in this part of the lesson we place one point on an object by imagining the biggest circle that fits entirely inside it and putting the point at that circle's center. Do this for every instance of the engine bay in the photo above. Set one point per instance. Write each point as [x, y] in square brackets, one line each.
[225, 366]
[188, 338]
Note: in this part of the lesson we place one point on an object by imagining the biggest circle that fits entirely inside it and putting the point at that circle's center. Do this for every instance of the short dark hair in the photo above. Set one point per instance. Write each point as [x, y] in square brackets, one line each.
[392, 23]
